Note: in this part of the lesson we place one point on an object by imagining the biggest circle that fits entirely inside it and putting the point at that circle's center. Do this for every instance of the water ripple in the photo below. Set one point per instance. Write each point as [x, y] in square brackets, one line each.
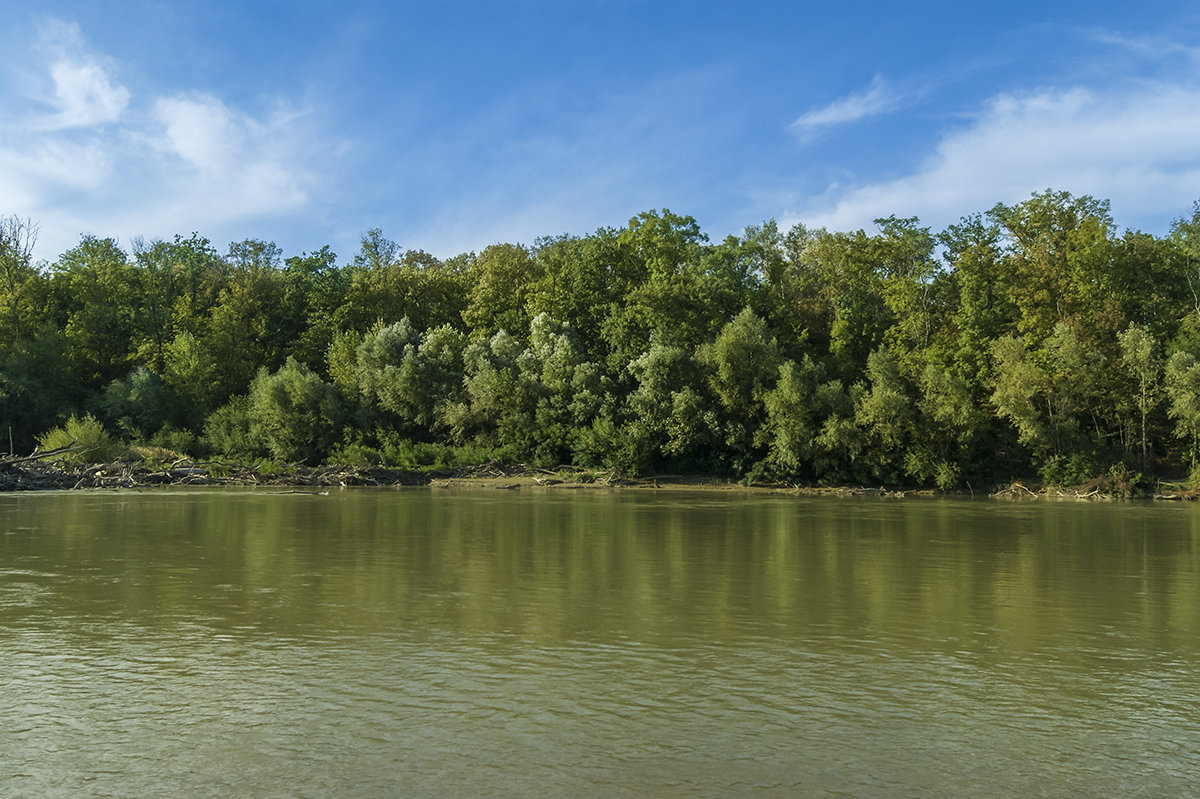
[382, 645]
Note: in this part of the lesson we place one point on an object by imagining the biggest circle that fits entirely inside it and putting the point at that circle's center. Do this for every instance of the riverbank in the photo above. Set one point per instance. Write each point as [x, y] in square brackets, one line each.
[47, 472]
[39, 473]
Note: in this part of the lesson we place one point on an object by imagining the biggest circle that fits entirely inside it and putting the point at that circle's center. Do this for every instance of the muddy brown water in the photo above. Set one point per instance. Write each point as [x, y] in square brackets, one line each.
[474, 642]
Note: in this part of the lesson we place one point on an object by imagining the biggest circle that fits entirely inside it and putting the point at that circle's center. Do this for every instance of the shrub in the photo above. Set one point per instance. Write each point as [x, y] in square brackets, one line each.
[294, 413]
[356, 453]
[404, 454]
[174, 439]
[88, 435]
[137, 404]
[227, 429]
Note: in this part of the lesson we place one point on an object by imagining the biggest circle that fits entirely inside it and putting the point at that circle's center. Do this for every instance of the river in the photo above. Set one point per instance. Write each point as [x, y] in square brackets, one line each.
[478, 642]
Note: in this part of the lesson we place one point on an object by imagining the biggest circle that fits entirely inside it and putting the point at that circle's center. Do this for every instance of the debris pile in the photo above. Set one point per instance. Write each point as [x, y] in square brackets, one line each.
[44, 471]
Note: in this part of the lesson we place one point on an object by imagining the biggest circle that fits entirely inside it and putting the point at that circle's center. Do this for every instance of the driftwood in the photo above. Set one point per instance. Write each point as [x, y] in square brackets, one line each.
[10, 462]
[1097, 490]
[48, 471]
[34, 472]
[1014, 491]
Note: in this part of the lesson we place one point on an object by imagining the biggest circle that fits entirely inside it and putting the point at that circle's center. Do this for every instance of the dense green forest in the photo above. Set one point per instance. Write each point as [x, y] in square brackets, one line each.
[1033, 339]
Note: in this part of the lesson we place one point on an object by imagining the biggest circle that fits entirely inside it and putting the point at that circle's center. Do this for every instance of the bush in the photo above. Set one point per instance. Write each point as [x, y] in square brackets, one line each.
[604, 444]
[405, 454]
[1064, 471]
[356, 453]
[294, 413]
[227, 430]
[174, 439]
[93, 443]
[137, 404]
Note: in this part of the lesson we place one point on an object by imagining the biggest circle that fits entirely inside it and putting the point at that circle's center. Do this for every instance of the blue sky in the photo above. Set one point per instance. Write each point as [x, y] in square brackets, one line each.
[454, 125]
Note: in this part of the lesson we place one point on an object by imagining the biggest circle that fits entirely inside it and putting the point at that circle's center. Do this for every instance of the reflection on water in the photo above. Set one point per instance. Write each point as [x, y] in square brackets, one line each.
[434, 643]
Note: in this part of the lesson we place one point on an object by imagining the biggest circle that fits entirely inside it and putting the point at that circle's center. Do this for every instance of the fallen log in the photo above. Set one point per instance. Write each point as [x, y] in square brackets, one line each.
[8, 463]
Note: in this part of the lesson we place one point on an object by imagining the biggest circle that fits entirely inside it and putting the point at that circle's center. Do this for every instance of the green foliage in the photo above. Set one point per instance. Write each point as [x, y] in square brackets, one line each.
[744, 361]
[1050, 396]
[605, 443]
[1059, 261]
[792, 423]
[35, 388]
[979, 310]
[1019, 382]
[384, 285]
[853, 283]
[413, 375]
[136, 405]
[293, 413]
[227, 430]
[190, 371]
[356, 453]
[174, 439]
[246, 322]
[313, 289]
[502, 278]
[581, 281]
[840, 440]
[1138, 349]
[1043, 341]
[405, 454]
[669, 285]
[948, 425]
[885, 414]
[96, 288]
[671, 418]
[21, 283]
[1183, 392]
[1062, 470]
[387, 370]
[946, 475]
[93, 443]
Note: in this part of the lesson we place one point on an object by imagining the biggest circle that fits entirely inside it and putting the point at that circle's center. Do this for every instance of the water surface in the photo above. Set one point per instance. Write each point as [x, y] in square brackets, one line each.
[592, 643]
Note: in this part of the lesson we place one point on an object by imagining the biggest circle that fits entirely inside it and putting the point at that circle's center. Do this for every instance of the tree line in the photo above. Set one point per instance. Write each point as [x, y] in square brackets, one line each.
[1032, 339]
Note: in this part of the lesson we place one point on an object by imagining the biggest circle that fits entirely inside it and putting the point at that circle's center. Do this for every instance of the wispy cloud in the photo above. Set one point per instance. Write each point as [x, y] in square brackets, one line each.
[83, 154]
[248, 164]
[85, 94]
[1136, 146]
[876, 99]
[1155, 48]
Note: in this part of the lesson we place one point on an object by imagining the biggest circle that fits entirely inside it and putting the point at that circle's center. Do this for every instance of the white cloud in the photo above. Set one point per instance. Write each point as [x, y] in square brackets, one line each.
[103, 161]
[228, 162]
[49, 167]
[85, 93]
[874, 100]
[1139, 147]
[201, 131]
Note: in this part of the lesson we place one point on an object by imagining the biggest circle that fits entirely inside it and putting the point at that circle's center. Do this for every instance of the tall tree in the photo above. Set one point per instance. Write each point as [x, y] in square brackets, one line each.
[19, 280]
[848, 265]
[1139, 359]
[384, 284]
[1058, 264]
[313, 290]
[502, 280]
[97, 291]
[244, 332]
